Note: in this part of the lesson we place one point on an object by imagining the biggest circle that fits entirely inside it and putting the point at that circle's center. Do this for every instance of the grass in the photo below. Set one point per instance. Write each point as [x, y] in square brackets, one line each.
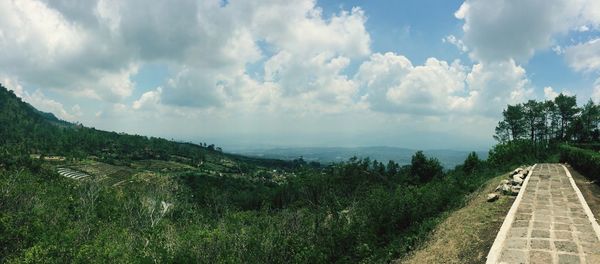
[589, 189]
[160, 165]
[467, 234]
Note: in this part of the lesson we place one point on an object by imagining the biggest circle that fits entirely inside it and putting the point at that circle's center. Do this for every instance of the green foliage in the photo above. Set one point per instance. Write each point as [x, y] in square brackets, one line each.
[585, 161]
[472, 163]
[425, 169]
[550, 121]
[355, 211]
[519, 152]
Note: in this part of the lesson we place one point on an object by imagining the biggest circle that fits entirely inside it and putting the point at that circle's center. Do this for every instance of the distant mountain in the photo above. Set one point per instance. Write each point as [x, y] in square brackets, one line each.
[448, 158]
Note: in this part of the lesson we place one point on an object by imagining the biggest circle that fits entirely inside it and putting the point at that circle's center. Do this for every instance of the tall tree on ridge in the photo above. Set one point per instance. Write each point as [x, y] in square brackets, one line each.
[567, 109]
[532, 113]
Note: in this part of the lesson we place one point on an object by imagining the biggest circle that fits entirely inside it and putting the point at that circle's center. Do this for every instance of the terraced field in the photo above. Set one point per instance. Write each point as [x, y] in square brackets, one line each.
[73, 174]
[107, 174]
[137, 171]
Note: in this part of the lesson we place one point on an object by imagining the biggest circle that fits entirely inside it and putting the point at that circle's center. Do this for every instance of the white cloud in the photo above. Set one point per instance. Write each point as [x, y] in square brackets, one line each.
[596, 91]
[493, 85]
[12, 85]
[584, 56]
[39, 100]
[497, 30]
[456, 42]
[44, 48]
[431, 88]
[148, 100]
[76, 110]
[393, 84]
[549, 93]
[558, 50]
[116, 111]
[583, 28]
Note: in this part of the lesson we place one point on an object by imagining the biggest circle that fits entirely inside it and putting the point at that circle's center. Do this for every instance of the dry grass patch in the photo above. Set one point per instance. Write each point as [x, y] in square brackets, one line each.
[589, 189]
[467, 234]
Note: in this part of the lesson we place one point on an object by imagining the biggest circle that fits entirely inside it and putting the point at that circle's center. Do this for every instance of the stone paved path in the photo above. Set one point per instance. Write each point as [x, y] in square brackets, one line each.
[550, 224]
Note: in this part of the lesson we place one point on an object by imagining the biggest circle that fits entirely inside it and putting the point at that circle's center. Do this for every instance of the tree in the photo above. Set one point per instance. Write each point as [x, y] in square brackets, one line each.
[567, 109]
[546, 126]
[502, 132]
[589, 120]
[532, 113]
[471, 163]
[511, 127]
[513, 115]
[424, 168]
[392, 168]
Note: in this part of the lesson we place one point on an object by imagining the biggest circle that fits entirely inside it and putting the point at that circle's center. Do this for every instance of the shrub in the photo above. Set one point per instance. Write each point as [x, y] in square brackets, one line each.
[585, 161]
[518, 152]
[471, 163]
[425, 169]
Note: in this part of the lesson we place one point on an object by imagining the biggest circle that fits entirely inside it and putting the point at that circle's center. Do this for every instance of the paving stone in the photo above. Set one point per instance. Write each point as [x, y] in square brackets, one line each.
[591, 248]
[525, 217]
[584, 228]
[541, 225]
[568, 259]
[592, 259]
[564, 220]
[542, 211]
[542, 218]
[587, 237]
[538, 233]
[513, 256]
[524, 211]
[561, 214]
[563, 235]
[578, 215]
[540, 257]
[517, 233]
[540, 244]
[581, 221]
[520, 224]
[563, 227]
[566, 246]
[516, 243]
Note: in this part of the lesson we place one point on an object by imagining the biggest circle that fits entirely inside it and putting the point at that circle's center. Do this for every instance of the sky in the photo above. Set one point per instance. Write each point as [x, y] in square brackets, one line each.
[296, 73]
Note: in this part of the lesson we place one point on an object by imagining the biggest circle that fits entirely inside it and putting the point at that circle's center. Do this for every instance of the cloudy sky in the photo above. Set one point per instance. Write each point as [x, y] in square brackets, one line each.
[418, 74]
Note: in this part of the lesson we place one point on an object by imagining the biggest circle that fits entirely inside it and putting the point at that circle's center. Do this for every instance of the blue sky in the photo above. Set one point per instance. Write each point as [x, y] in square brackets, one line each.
[418, 74]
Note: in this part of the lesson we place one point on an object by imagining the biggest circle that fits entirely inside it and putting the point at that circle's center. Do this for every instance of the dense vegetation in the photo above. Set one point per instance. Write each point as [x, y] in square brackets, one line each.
[538, 130]
[547, 122]
[268, 211]
[584, 160]
[355, 211]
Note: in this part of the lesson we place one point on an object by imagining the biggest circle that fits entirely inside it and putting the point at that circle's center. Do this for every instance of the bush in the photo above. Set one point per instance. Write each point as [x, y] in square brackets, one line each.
[589, 146]
[471, 163]
[585, 161]
[425, 169]
[519, 152]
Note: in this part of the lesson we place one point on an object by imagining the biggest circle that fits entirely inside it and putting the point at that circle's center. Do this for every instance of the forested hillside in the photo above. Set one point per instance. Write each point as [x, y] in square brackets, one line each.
[26, 131]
